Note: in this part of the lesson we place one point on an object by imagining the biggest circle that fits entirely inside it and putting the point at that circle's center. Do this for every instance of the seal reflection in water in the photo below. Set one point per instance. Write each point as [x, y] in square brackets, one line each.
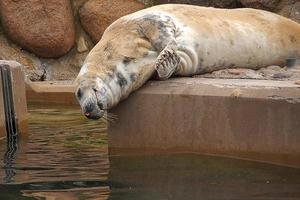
[181, 40]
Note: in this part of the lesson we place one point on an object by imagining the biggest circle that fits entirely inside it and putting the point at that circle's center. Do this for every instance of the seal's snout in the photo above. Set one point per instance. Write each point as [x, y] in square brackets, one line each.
[92, 97]
[92, 111]
[93, 116]
[90, 105]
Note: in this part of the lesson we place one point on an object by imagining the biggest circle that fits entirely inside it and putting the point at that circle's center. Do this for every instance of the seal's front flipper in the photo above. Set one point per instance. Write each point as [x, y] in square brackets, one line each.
[167, 61]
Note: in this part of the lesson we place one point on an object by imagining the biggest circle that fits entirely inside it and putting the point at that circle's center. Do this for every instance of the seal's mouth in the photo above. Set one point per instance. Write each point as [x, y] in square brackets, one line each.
[92, 111]
[94, 115]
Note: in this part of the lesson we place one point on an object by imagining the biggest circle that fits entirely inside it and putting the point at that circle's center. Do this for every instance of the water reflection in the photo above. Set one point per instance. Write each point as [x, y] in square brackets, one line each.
[190, 177]
[65, 157]
[9, 156]
[71, 194]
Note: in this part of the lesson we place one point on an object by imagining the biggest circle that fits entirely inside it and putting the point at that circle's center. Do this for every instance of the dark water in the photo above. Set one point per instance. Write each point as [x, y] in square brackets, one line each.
[65, 157]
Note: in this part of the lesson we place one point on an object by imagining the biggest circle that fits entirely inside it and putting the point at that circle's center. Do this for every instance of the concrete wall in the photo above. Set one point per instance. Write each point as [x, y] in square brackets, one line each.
[19, 95]
[17, 88]
[249, 119]
[51, 93]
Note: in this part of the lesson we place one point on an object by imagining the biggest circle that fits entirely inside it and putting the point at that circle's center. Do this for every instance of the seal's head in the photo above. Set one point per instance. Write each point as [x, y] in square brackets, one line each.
[121, 62]
[93, 97]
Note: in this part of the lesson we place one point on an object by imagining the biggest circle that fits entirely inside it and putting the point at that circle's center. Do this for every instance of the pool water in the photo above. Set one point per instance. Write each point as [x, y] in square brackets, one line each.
[65, 157]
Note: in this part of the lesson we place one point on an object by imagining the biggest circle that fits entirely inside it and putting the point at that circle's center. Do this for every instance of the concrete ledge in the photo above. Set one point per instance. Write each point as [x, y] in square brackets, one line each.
[51, 93]
[249, 119]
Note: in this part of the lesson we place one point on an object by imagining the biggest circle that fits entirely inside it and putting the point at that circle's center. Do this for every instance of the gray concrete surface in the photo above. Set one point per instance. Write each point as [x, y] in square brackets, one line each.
[248, 119]
[48, 92]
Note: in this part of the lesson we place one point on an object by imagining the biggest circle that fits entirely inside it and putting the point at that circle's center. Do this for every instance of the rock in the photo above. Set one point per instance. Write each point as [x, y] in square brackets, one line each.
[234, 71]
[82, 45]
[261, 4]
[64, 68]
[290, 10]
[211, 3]
[45, 28]
[295, 12]
[10, 51]
[76, 4]
[282, 75]
[96, 16]
[147, 2]
[36, 75]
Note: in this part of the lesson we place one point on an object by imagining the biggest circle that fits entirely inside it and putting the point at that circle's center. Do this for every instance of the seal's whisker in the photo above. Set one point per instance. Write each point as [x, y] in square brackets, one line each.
[105, 118]
[112, 115]
[108, 118]
[111, 119]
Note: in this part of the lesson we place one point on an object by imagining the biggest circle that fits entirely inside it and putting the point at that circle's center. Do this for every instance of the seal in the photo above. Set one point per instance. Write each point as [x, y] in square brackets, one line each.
[180, 40]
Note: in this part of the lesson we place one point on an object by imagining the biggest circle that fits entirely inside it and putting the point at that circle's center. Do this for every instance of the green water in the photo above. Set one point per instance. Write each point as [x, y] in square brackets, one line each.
[65, 157]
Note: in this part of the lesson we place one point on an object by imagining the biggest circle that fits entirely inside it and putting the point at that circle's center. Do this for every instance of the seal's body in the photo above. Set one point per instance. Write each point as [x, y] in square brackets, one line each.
[180, 40]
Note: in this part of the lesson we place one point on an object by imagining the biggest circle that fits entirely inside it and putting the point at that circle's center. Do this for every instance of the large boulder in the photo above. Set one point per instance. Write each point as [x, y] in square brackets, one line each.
[45, 28]
[295, 12]
[290, 9]
[211, 3]
[261, 4]
[37, 68]
[97, 15]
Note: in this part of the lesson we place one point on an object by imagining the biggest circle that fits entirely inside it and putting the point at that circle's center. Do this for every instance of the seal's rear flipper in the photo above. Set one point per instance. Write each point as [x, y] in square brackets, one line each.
[167, 61]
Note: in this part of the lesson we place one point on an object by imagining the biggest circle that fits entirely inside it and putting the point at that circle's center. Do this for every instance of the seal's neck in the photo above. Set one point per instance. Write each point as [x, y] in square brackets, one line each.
[128, 76]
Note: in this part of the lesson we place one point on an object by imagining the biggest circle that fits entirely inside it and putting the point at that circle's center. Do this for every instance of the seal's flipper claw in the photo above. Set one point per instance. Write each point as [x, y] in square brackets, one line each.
[167, 61]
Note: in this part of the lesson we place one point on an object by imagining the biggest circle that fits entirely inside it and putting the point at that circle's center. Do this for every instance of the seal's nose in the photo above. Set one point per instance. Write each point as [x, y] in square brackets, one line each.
[88, 109]
[94, 116]
[92, 111]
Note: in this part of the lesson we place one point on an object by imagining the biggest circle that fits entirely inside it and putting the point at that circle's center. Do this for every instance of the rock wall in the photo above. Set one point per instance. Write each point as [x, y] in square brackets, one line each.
[52, 38]
[96, 15]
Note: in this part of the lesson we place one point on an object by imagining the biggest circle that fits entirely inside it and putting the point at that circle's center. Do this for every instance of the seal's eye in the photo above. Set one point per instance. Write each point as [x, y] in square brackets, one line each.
[79, 93]
[95, 90]
[127, 60]
[100, 105]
